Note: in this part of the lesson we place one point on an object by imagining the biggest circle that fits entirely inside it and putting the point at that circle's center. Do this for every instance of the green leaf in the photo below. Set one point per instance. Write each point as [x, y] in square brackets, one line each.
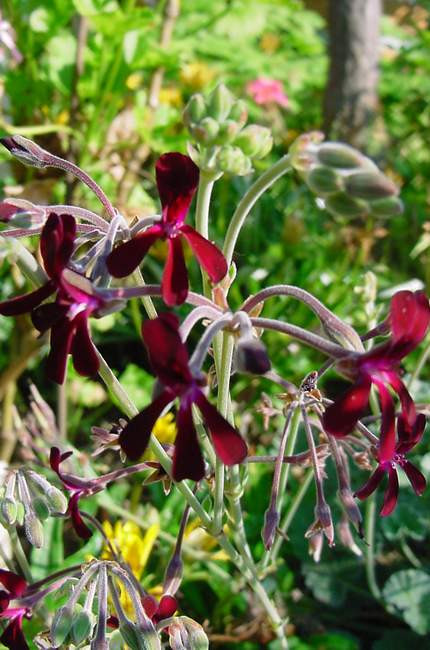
[137, 384]
[397, 640]
[333, 641]
[95, 7]
[324, 584]
[407, 594]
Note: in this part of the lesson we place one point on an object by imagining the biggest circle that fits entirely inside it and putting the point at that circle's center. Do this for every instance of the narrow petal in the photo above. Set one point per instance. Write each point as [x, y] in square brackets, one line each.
[13, 636]
[175, 276]
[372, 483]
[409, 436]
[79, 525]
[57, 242]
[391, 493]
[150, 606]
[13, 583]
[416, 478]
[209, 256]
[27, 302]
[84, 353]
[167, 353]
[125, 258]
[409, 412]
[187, 458]
[229, 445]
[387, 440]
[410, 317]
[61, 341]
[135, 436]
[177, 180]
[45, 316]
[341, 417]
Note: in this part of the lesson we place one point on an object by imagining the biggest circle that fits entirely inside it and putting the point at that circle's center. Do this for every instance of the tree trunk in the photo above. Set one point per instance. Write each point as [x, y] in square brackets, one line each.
[351, 97]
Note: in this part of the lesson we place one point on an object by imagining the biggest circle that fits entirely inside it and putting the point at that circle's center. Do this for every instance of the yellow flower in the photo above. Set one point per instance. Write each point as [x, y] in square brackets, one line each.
[196, 75]
[134, 81]
[198, 538]
[165, 432]
[171, 96]
[270, 42]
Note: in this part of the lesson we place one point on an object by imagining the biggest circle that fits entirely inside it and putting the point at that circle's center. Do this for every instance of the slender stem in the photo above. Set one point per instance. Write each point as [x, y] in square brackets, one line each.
[21, 557]
[248, 201]
[418, 367]
[204, 193]
[199, 313]
[7, 436]
[202, 348]
[369, 527]
[78, 213]
[62, 409]
[146, 300]
[26, 262]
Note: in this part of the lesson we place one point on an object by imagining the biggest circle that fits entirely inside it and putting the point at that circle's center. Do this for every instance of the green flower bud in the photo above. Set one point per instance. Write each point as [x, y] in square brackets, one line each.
[220, 103]
[228, 130]
[255, 141]
[57, 502]
[186, 634]
[33, 530]
[20, 513]
[138, 639]
[389, 207]
[339, 155]
[205, 131]
[195, 110]
[8, 511]
[61, 626]
[323, 180]
[41, 508]
[369, 185]
[239, 112]
[233, 160]
[343, 205]
[81, 627]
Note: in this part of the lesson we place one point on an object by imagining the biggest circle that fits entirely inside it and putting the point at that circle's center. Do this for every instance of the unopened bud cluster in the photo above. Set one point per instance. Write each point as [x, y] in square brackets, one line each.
[27, 500]
[225, 143]
[349, 183]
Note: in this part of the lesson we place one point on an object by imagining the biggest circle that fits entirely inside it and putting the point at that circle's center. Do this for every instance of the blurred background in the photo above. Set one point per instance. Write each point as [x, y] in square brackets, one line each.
[104, 83]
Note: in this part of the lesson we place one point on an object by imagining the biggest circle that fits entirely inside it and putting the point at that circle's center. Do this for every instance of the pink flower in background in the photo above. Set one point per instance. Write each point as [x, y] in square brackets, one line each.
[267, 91]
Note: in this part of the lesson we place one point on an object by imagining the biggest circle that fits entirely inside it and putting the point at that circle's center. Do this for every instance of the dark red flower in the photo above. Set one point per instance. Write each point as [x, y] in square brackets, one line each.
[158, 611]
[67, 317]
[177, 180]
[169, 359]
[409, 320]
[13, 636]
[77, 487]
[408, 436]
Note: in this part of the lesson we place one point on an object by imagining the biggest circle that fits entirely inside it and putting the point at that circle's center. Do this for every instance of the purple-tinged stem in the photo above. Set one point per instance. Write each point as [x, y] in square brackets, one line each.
[197, 314]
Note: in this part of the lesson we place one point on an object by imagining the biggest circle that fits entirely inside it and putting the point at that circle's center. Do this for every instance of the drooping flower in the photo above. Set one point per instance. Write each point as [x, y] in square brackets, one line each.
[409, 320]
[177, 179]
[13, 636]
[169, 359]
[267, 91]
[159, 610]
[76, 300]
[407, 437]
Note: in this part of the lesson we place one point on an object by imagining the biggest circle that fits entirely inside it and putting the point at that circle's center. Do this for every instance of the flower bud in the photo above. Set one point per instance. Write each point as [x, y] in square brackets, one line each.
[323, 180]
[339, 155]
[186, 634]
[271, 521]
[220, 103]
[57, 502]
[228, 130]
[20, 513]
[205, 131]
[8, 511]
[389, 207]
[255, 141]
[173, 575]
[61, 626]
[82, 626]
[195, 110]
[343, 205]
[233, 160]
[251, 356]
[26, 151]
[20, 213]
[138, 639]
[33, 530]
[239, 112]
[40, 508]
[370, 186]
[316, 543]
[346, 538]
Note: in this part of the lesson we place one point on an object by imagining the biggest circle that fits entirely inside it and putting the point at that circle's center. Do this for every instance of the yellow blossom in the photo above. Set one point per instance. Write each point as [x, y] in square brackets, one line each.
[165, 432]
[198, 538]
[171, 96]
[134, 81]
[196, 75]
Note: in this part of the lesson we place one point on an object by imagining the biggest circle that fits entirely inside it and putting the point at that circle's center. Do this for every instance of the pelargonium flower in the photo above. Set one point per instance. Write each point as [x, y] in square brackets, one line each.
[267, 91]
[169, 359]
[67, 317]
[177, 179]
[409, 320]
[159, 610]
[77, 487]
[13, 636]
[408, 436]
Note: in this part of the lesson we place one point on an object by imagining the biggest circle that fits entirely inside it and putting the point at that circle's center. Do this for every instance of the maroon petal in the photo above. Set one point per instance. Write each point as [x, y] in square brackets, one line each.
[416, 478]
[13, 583]
[230, 447]
[408, 407]
[27, 302]
[391, 493]
[387, 441]
[125, 258]
[209, 256]
[177, 180]
[45, 316]
[150, 606]
[372, 483]
[410, 317]
[135, 436]
[166, 608]
[175, 276]
[167, 353]
[56, 458]
[84, 353]
[113, 622]
[79, 525]
[187, 458]
[409, 436]
[61, 341]
[57, 242]
[7, 211]
[13, 636]
[341, 417]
